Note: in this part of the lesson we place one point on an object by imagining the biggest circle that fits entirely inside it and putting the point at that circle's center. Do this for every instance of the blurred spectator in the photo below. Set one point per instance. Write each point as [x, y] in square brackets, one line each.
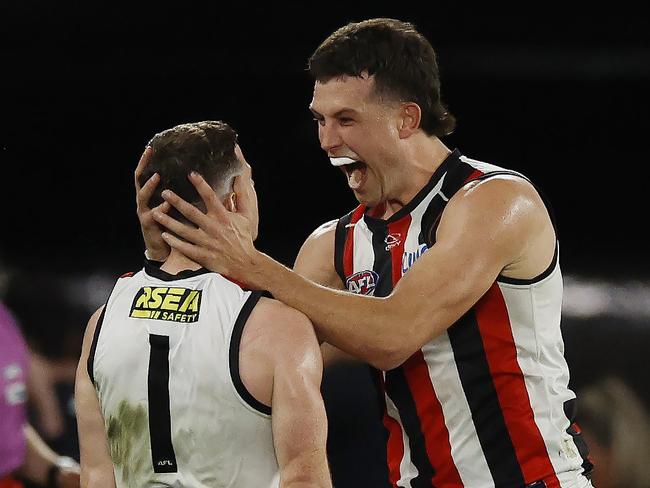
[53, 326]
[13, 395]
[616, 426]
[22, 452]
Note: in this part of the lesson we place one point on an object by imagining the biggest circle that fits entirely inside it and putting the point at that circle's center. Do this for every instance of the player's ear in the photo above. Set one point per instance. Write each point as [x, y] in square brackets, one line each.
[410, 118]
[230, 201]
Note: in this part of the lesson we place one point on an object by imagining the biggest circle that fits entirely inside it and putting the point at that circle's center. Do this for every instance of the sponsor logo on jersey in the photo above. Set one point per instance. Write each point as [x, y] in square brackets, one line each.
[392, 240]
[169, 304]
[409, 258]
[363, 282]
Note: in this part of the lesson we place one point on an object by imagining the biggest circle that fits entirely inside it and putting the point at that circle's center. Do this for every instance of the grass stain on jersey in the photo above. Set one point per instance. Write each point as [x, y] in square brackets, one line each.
[128, 441]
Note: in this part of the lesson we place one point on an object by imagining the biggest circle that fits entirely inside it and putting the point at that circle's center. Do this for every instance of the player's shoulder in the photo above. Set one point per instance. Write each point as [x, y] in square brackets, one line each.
[285, 318]
[506, 203]
[321, 239]
[495, 189]
[286, 329]
[323, 231]
[91, 327]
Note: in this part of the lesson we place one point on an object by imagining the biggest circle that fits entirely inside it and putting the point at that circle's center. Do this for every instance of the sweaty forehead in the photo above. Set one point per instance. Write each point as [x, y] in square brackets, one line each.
[345, 92]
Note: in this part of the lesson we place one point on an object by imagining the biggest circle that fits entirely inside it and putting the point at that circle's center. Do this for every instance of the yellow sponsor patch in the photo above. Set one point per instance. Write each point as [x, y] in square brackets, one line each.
[169, 304]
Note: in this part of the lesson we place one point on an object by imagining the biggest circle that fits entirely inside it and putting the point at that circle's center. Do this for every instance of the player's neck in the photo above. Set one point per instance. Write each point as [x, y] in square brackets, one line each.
[419, 163]
[177, 262]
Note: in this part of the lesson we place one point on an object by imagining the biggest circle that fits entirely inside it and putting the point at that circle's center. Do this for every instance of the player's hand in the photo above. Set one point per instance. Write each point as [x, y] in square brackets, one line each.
[157, 248]
[223, 241]
[69, 477]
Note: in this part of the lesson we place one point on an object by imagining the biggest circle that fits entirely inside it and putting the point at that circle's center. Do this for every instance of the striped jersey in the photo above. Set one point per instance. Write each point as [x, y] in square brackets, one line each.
[486, 403]
[165, 364]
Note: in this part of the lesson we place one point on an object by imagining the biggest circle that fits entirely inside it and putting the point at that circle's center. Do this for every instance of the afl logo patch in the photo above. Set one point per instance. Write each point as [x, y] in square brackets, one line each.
[363, 282]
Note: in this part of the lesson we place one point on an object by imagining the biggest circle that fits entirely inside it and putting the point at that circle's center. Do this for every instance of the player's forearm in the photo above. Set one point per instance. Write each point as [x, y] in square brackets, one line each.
[97, 477]
[312, 472]
[370, 328]
[39, 458]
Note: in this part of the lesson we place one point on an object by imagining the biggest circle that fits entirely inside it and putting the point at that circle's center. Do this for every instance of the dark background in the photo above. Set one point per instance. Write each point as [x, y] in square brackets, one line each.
[561, 96]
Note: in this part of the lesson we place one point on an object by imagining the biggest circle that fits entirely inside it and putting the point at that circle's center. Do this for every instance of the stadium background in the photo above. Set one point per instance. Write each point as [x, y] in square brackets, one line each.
[560, 96]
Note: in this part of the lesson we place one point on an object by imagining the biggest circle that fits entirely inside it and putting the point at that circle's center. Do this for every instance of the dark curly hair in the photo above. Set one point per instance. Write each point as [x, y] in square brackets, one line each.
[401, 60]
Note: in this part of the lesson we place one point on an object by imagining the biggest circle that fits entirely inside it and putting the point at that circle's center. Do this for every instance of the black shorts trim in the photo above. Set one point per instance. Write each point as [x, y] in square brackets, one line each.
[235, 342]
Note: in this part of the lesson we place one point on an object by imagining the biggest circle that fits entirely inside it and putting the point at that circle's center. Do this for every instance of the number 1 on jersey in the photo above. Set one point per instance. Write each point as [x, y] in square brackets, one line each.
[160, 426]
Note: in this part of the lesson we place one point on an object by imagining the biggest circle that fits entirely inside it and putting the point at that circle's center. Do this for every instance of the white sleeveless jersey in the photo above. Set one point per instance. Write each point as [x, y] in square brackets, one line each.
[165, 364]
[485, 404]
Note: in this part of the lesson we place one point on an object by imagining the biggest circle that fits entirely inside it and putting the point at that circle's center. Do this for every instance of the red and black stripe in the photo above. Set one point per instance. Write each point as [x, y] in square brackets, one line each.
[393, 434]
[399, 389]
[495, 389]
[344, 243]
[429, 411]
[481, 395]
[501, 354]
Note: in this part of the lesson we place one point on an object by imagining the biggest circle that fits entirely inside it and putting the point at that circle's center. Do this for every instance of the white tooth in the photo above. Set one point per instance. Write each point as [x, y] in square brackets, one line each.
[342, 161]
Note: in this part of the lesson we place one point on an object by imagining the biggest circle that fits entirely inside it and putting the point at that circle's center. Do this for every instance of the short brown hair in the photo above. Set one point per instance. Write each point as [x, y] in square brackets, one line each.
[401, 60]
[206, 147]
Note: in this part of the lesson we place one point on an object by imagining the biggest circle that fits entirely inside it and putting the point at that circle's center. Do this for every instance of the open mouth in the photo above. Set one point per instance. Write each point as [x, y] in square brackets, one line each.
[356, 173]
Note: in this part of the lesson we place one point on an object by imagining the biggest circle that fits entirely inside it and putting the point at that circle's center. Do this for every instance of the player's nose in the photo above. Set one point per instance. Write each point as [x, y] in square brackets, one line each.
[329, 139]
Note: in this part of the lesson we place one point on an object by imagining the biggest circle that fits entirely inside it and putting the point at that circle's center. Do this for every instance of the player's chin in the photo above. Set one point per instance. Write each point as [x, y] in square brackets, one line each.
[365, 199]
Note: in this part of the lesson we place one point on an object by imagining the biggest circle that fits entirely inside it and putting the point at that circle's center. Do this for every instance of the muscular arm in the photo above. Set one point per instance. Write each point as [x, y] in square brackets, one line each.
[39, 459]
[96, 464]
[472, 247]
[493, 226]
[315, 261]
[299, 419]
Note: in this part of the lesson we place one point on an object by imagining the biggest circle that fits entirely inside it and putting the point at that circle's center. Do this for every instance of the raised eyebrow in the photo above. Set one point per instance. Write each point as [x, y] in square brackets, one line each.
[314, 113]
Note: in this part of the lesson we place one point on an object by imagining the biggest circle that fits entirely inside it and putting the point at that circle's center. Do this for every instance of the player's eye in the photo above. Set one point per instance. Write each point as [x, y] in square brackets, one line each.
[319, 120]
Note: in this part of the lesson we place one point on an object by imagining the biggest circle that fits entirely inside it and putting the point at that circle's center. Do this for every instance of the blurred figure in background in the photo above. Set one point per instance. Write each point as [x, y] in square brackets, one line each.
[13, 396]
[52, 325]
[23, 454]
[616, 426]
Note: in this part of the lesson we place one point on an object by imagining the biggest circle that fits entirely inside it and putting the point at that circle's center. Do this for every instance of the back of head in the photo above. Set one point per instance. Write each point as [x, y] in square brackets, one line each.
[616, 419]
[207, 148]
[401, 60]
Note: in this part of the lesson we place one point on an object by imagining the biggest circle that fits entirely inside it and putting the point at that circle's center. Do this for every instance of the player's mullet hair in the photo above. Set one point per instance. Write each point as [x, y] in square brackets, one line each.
[401, 60]
[206, 147]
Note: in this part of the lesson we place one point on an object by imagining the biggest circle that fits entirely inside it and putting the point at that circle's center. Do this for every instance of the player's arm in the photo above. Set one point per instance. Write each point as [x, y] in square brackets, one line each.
[315, 261]
[299, 419]
[96, 464]
[486, 227]
[40, 461]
